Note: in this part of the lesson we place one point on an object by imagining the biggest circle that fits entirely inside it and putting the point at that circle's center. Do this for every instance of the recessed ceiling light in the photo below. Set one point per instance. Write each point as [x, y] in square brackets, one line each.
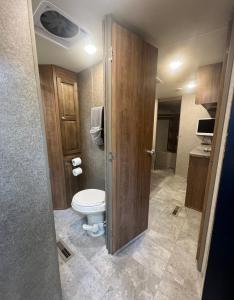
[175, 65]
[90, 49]
[191, 85]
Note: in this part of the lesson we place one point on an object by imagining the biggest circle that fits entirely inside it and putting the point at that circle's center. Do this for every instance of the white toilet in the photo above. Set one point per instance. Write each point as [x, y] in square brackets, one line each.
[91, 203]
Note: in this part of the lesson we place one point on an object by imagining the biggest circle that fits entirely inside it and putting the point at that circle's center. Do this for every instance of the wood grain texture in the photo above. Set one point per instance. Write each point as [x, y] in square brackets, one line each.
[53, 136]
[146, 105]
[61, 115]
[196, 182]
[208, 84]
[68, 112]
[133, 97]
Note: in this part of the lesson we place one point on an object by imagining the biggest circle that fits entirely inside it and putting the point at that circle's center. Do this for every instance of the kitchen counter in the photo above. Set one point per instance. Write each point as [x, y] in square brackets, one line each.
[199, 152]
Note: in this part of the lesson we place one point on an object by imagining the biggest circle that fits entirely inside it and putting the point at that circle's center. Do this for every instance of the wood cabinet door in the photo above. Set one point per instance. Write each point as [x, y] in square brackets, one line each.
[69, 115]
[196, 182]
[208, 84]
[130, 113]
[53, 137]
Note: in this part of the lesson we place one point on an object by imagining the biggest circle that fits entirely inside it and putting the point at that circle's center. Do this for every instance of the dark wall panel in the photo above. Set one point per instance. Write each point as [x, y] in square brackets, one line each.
[219, 281]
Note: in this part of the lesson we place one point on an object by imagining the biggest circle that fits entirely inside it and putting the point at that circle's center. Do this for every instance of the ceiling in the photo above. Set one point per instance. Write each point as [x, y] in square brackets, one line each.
[191, 31]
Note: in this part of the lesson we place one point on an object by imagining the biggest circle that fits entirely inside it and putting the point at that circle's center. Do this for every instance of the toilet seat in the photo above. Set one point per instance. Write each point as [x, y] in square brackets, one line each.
[89, 201]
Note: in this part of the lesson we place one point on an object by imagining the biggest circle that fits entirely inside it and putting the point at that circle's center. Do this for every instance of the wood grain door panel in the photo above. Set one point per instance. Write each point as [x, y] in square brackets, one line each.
[61, 116]
[196, 182]
[53, 137]
[70, 138]
[208, 78]
[69, 115]
[148, 91]
[66, 99]
[132, 111]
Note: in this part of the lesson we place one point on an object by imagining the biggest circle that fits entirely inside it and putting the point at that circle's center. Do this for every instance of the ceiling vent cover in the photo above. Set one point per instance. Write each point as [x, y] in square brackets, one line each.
[53, 24]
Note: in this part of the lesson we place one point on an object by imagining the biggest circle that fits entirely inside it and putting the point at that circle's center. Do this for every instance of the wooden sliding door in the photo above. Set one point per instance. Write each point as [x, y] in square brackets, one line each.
[130, 81]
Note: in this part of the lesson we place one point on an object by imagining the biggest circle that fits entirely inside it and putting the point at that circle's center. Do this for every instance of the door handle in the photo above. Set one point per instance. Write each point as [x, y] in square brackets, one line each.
[150, 152]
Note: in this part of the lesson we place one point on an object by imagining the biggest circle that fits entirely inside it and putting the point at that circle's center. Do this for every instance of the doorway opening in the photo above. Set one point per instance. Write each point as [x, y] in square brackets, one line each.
[181, 192]
[71, 83]
[168, 120]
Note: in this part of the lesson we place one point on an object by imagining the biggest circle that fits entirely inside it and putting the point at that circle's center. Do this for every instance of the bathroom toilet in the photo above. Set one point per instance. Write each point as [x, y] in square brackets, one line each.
[91, 202]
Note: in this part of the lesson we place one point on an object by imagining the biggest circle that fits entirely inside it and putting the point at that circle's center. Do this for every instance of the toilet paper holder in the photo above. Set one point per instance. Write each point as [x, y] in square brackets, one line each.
[77, 171]
[76, 161]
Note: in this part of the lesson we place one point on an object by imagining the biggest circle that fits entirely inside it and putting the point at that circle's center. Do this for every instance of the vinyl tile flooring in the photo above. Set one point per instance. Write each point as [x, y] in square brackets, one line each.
[160, 265]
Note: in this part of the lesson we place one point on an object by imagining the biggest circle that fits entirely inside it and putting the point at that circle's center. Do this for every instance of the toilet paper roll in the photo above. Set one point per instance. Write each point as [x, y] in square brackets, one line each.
[77, 171]
[76, 161]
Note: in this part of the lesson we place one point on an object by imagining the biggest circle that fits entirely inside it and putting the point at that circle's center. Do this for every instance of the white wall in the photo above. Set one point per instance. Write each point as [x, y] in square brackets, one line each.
[188, 140]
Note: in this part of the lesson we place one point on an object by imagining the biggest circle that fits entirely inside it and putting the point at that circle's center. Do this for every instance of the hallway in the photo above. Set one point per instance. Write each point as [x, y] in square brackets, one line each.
[160, 265]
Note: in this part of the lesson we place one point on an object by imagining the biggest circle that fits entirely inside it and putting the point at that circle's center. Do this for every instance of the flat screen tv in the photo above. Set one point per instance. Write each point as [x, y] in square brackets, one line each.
[205, 127]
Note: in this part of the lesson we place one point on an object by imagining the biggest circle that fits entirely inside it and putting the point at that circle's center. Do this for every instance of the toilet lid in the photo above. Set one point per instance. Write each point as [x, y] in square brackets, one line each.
[90, 197]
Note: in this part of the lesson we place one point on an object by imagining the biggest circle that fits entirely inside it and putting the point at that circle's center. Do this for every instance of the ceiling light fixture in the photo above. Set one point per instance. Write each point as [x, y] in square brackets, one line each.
[175, 65]
[191, 85]
[90, 49]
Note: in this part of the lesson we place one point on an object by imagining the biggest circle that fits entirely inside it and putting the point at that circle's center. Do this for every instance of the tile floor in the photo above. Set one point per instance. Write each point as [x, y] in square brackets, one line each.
[160, 265]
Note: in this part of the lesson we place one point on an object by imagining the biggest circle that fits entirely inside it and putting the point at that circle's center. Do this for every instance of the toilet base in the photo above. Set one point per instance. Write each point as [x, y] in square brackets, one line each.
[95, 226]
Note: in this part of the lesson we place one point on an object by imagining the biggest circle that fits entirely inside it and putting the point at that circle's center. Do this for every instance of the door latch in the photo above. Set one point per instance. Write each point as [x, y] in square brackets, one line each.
[150, 152]
[110, 156]
[110, 55]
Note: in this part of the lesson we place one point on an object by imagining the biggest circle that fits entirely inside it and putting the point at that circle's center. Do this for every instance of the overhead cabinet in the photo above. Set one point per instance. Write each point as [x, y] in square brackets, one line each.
[208, 84]
[61, 116]
[68, 112]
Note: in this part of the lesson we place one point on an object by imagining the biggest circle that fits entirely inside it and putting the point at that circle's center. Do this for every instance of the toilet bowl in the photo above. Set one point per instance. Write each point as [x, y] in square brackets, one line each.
[91, 203]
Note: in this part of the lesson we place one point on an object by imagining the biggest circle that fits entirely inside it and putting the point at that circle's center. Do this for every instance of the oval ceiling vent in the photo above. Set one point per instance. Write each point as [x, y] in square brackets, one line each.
[53, 24]
[58, 25]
